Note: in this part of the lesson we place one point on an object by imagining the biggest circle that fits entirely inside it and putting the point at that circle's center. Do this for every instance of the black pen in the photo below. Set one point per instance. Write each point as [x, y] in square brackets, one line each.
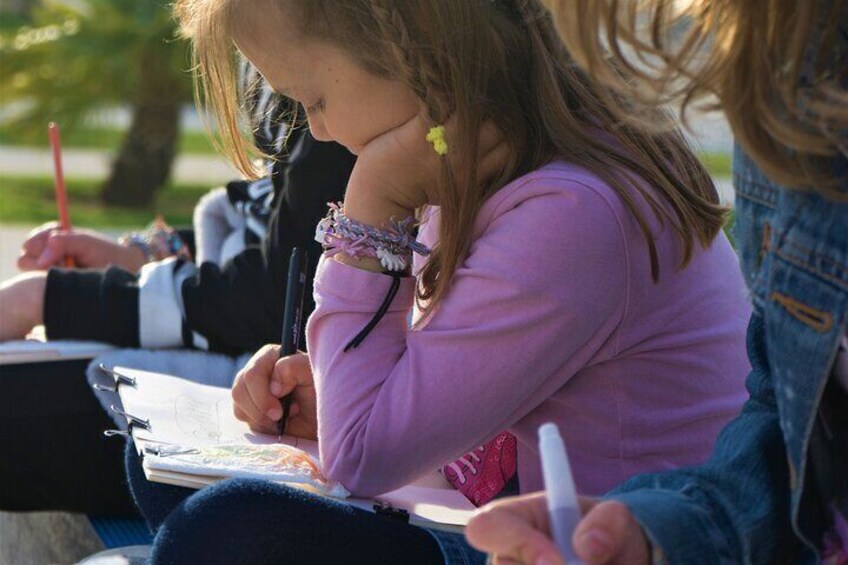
[292, 316]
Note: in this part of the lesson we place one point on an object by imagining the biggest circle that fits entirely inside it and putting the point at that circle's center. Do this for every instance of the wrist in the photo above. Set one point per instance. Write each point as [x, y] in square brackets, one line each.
[364, 263]
[134, 258]
[28, 302]
[159, 241]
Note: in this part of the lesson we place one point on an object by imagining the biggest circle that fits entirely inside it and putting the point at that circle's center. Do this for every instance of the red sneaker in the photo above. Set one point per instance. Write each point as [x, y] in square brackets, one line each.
[483, 472]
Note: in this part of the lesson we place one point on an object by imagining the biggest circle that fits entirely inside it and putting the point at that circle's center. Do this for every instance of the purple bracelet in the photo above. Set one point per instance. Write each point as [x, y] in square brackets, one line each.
[393, 246]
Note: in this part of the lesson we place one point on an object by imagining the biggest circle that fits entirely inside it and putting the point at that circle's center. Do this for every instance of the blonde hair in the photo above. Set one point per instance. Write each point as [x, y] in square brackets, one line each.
[772, 65]
[528, 85]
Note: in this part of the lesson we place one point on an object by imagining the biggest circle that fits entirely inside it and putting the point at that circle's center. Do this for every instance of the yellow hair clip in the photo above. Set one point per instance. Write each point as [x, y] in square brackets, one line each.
[436, 136]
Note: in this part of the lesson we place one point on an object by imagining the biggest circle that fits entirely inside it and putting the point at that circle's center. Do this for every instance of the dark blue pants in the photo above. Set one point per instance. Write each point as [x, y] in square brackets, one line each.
[249, 521]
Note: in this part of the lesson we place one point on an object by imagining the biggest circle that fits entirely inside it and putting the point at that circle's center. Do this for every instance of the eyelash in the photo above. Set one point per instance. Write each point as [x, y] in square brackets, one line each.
[316, 107]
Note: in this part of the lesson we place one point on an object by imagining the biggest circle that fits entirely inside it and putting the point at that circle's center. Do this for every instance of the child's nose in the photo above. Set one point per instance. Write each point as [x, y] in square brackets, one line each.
[318, 130]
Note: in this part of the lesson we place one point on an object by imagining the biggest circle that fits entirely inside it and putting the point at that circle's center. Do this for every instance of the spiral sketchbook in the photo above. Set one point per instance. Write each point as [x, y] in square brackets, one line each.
[188, 436]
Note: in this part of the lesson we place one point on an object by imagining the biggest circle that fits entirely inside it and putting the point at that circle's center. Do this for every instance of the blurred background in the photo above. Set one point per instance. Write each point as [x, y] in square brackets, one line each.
[116, 78]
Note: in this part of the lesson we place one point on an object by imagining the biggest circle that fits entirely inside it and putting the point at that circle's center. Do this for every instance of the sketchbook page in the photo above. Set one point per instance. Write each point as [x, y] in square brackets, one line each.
[277, 462]
[38, 351]
[183, 412]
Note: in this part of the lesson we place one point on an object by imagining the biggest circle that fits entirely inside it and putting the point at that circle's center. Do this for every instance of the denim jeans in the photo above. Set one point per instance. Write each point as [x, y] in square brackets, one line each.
[253, 521]
[777, 472]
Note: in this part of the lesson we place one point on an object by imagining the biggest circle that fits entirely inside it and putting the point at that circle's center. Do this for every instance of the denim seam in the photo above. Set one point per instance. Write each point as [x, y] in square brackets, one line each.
[743, 184]
[806, 251]
[803, 264]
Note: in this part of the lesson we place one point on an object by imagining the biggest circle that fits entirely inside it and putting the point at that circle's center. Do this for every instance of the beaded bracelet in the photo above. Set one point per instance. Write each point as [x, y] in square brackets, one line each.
[393, 246]
[158, 241]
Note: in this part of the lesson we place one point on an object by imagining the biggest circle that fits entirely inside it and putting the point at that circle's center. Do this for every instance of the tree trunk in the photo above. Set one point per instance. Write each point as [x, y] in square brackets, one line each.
[147, 152]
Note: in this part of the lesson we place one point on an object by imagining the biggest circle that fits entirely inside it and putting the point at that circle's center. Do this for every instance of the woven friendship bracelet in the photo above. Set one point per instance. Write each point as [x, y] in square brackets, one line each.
[393, 246]
[159, 241]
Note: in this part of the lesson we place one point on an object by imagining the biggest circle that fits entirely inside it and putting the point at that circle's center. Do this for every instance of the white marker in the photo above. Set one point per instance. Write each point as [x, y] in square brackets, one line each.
[561, 494]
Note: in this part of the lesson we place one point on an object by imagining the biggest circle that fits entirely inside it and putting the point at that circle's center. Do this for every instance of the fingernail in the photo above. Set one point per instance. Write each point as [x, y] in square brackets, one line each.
[274, 414]
[276, 388]
[597, 544]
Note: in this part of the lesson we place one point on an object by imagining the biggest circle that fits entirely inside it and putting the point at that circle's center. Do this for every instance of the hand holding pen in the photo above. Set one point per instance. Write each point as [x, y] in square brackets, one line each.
[274, 393]
[292, 320]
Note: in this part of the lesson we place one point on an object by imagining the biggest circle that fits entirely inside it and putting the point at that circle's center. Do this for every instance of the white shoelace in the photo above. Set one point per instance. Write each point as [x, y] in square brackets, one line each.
[468, 464]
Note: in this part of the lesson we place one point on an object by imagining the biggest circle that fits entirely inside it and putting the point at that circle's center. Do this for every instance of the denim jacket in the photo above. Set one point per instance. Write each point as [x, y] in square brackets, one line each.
[767, 493]
[779, 471]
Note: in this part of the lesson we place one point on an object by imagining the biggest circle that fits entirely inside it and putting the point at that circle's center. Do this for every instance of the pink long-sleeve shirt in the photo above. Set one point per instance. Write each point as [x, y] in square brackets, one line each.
[553, 316]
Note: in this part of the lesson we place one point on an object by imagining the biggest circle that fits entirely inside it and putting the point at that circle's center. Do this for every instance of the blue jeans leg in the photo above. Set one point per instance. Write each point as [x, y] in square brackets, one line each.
[250, 521]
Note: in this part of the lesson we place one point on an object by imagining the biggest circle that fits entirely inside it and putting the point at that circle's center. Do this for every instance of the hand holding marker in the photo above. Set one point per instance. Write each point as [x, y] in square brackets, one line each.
[559, 485]
[292, 316]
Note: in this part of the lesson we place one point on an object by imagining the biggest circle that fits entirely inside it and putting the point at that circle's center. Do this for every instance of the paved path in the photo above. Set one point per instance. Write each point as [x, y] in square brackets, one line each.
[11, 238]
[93, 163]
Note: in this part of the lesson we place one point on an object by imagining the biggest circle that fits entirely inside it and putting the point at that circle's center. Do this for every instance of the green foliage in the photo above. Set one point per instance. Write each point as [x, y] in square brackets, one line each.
[31, 200]
[77, 57]
[718, 164]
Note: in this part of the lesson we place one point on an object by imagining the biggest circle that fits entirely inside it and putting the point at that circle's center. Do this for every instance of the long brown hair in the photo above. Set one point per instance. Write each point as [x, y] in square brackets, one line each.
[773, 66]
[481, 60]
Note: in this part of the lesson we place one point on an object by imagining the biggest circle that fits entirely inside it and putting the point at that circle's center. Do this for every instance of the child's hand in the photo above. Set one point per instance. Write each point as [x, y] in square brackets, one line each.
[264, 380]
[48, 245]
[517, 530]
[21, 304]
[397, 171]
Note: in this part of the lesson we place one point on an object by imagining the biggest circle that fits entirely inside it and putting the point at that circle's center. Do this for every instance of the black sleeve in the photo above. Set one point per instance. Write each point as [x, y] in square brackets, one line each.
[239, 307]
[92, 304]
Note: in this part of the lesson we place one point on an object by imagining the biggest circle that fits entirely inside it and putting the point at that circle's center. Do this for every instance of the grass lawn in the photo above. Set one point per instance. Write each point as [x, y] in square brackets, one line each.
[190, 142]
[31, 200]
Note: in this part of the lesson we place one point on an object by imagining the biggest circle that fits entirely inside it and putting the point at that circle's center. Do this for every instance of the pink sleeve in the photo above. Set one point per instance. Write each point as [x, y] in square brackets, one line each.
[543, 288]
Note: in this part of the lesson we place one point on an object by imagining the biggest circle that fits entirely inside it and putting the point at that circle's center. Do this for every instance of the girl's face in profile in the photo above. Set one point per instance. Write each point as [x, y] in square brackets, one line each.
[343, 102]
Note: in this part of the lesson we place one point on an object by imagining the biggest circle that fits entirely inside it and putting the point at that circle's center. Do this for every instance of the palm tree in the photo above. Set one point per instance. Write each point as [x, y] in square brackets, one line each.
[83, 55]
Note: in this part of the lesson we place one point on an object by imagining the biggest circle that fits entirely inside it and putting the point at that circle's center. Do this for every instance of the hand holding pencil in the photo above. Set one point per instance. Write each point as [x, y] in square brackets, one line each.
[59, 178]
[49, 245]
